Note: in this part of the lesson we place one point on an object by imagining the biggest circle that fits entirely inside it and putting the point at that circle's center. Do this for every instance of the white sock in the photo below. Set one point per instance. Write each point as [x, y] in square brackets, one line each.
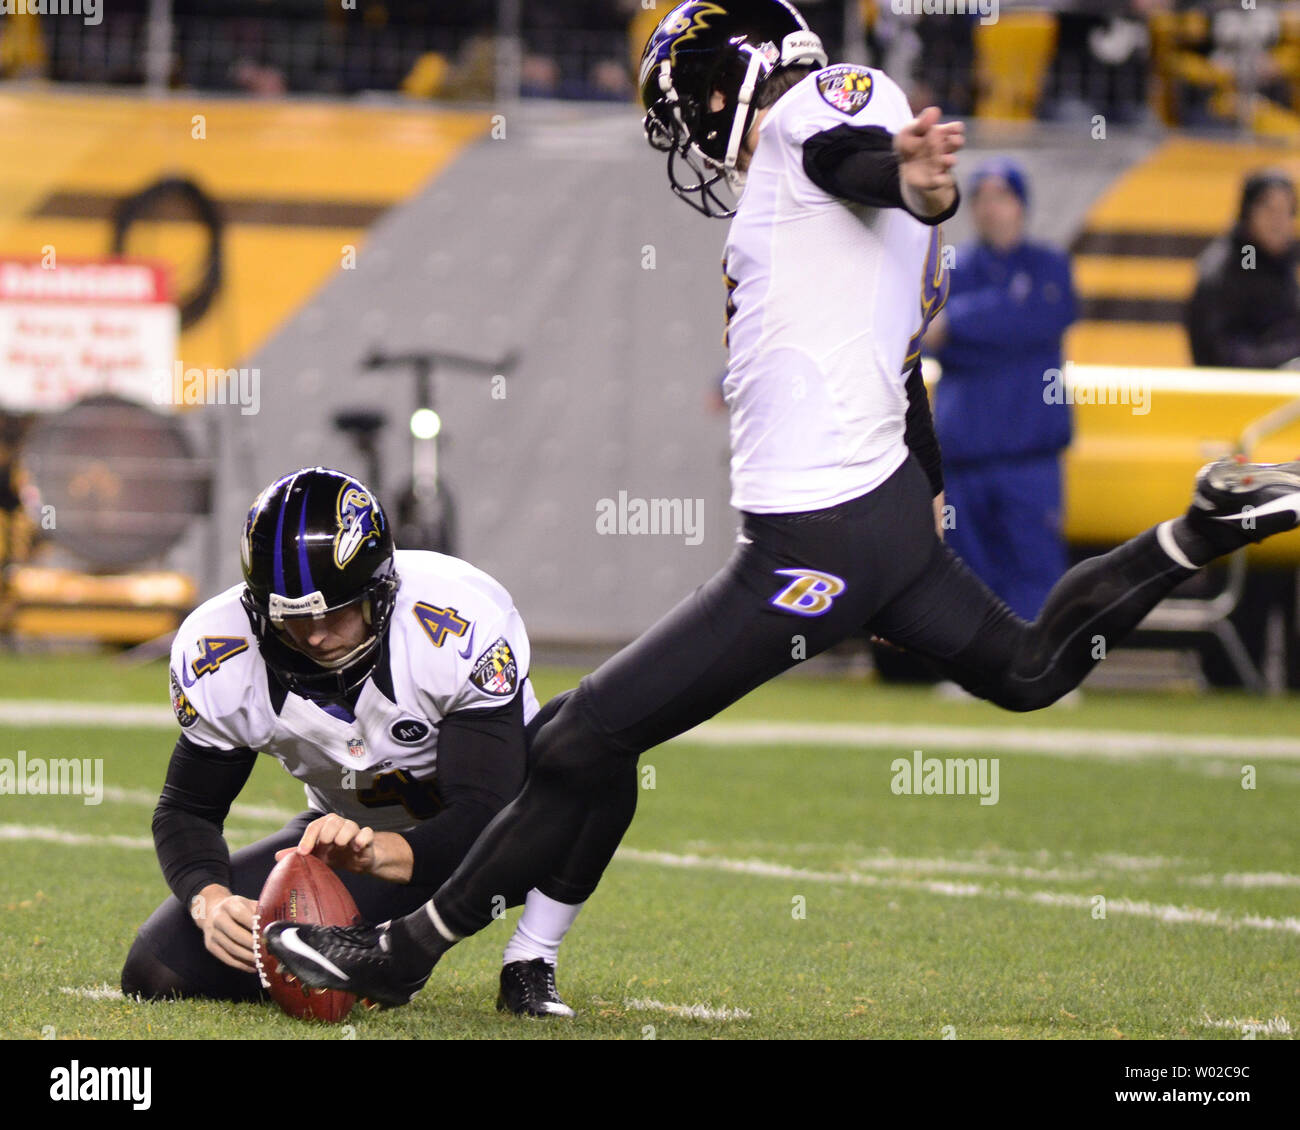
[541, 929]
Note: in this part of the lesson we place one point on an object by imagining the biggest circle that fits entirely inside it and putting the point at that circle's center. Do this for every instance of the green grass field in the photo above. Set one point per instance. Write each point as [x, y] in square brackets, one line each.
[767, 889]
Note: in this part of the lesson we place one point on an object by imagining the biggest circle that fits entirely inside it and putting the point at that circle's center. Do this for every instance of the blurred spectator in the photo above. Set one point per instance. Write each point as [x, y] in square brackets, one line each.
[260, 82]
[1000, 333]
[1245, 311]
[1101, 64]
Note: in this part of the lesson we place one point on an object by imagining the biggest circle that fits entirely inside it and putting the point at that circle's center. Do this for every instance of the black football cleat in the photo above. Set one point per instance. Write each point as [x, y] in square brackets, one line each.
[351, 959]
[528, 989]
[1252, 500]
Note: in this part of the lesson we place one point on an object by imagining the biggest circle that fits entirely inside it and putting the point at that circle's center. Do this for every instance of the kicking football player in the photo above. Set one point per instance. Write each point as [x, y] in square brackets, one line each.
[395, 686]
[833, 269]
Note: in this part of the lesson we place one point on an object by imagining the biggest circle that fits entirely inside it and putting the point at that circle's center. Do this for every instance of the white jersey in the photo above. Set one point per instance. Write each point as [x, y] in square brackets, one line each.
[455, 642]
[828, 301]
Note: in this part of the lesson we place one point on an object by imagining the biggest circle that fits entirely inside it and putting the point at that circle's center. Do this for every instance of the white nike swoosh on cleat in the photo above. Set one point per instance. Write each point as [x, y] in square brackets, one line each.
[556, 1010]
[292, 943]
[1286, 502]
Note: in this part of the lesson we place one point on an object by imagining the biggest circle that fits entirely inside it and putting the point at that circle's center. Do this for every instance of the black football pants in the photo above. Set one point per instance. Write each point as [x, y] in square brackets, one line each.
[797, 584]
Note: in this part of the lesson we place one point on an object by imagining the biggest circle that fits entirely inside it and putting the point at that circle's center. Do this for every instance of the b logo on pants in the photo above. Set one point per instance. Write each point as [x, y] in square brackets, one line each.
[810, 593]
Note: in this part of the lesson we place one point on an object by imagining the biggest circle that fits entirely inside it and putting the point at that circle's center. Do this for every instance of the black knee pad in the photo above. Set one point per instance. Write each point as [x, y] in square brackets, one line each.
[146, 977]
[573, 750]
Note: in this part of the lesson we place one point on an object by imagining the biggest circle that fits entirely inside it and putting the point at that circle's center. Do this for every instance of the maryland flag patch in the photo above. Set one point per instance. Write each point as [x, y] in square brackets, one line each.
[496, 672]
[186, 715]
[846, 87]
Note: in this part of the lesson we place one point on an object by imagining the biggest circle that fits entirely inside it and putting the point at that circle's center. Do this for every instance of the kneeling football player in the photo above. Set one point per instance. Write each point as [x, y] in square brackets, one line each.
[394, 685]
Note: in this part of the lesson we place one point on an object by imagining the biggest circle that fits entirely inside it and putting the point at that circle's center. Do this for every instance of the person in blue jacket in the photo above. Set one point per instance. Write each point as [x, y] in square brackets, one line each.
[998, 338]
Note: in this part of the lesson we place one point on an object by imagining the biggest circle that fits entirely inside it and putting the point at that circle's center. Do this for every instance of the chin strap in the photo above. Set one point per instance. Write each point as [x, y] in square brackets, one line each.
[740, 123]
[799, 48]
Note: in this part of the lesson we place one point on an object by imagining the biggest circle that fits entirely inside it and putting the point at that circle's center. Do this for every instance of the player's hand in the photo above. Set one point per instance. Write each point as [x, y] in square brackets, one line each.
[346, 846]
[227, 924]
[927, 155]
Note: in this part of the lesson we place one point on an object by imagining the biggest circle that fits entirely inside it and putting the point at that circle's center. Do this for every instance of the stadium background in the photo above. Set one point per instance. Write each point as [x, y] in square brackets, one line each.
[470, 179]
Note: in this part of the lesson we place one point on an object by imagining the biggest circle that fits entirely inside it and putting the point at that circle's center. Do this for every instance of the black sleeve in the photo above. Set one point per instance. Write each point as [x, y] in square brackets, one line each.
[201, 785]
[858, 163]
[920, 437]
[482, 759]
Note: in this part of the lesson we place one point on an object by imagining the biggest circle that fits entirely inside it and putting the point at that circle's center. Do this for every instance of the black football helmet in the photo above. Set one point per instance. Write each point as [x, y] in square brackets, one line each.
[731, 47]
[316, 541]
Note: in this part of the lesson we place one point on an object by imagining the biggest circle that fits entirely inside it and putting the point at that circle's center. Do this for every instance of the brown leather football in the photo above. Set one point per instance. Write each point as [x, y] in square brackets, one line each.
[302, 889]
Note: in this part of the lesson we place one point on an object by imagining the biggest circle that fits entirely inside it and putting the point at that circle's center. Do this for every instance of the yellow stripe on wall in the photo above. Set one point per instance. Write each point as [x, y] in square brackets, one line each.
[115, 145]
[1186, 186]
[1128, 343]
[1134, 276]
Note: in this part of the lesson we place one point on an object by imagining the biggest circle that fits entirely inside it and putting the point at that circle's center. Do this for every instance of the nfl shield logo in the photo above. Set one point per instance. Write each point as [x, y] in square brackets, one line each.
[356, 747]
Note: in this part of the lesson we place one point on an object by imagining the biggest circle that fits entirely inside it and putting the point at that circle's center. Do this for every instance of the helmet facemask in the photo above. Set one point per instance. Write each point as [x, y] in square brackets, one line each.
[708, 141]
[312, 678]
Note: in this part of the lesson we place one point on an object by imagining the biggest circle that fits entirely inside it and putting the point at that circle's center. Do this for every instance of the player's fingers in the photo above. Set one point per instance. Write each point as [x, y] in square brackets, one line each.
[309, 836]
[234, 956]
[236, 933]
[232, 951]
[364, 838]
[345, 833]
[327, 832]
[240, 910]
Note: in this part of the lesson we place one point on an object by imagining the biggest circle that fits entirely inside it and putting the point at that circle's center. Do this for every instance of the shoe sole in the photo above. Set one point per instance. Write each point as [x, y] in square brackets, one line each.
[1261, 475]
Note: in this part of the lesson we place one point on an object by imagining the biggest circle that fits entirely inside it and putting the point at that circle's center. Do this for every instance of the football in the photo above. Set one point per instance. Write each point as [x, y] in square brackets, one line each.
[302, 889]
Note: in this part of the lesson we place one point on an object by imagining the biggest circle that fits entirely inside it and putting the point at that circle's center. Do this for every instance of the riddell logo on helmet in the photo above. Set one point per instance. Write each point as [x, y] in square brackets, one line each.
[987, 10]
[282, 606]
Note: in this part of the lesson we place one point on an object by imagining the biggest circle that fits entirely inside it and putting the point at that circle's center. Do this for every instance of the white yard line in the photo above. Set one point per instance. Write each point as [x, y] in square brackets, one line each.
[1124, 744]
[1274, 1026]
[863, 873]
[1084, 903]
[103, 715]
[876, 735]
[70, 839]
[93, 992]
[145, 799]
[689, 1011]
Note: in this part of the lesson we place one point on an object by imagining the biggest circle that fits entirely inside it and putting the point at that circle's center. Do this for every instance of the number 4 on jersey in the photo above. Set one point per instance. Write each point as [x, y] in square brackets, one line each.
[214, 651]
[440, 623]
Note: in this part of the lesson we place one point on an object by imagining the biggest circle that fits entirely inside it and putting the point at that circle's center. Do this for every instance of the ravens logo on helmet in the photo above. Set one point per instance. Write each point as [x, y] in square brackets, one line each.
[314, 542]
[700, 72]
